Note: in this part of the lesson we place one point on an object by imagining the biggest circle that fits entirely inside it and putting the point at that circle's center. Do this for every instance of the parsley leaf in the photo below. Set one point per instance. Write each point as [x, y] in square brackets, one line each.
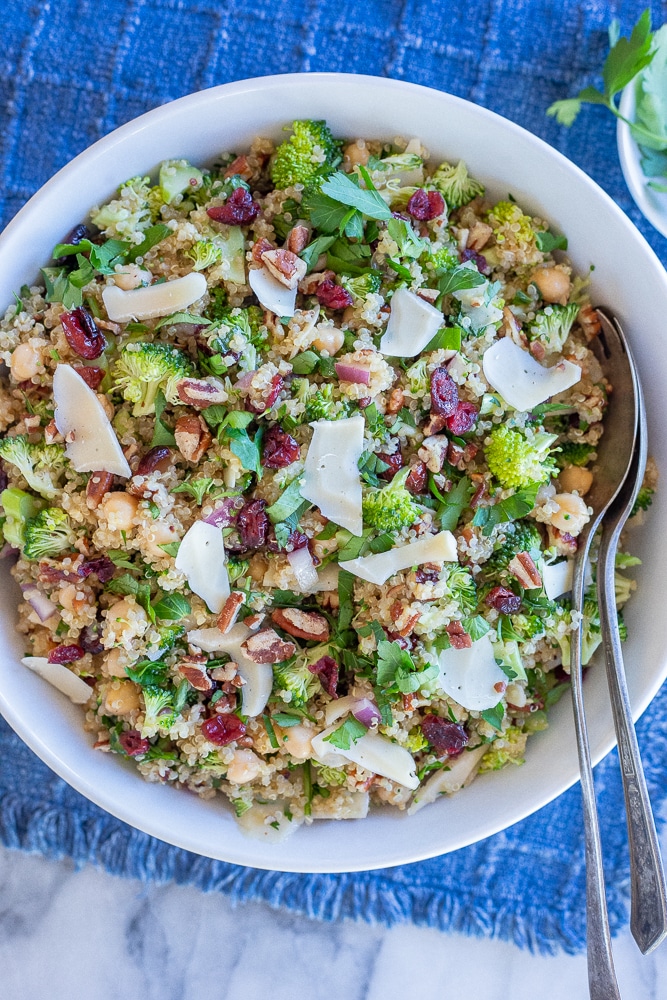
[183, 317]
[196, 488]
[510, 509]
[246, 449]
[447, 339]
[162, 435]
[345, 604]
[347, 734]
[152, 236]
[452, 504]
[459, 278]
[319, 246]
[409, 244]
[494, 716]
[287, 503]
[546, 242]
[341, 188]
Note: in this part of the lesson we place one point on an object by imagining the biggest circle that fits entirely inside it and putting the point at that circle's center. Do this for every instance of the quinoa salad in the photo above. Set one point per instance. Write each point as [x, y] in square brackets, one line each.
[294, 458]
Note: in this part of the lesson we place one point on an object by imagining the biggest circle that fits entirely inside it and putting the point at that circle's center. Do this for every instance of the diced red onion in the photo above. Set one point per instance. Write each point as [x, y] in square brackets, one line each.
[366, 712]
[303, 567]
[353, 373]
[245, 381]
[457, 367]
[39, 602]
[7, 551]
[225, 514]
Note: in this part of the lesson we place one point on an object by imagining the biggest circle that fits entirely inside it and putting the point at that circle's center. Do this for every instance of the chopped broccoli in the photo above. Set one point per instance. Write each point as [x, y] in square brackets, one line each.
[204, 253]
[552, 325]
[623, 589]
[47, 534]
[416, 741]
[455, 184]
[574, 453]
[293, 681]
[622, 627]
[392, 507]
[130, 213]
[591, 636]
[177, 177]
[160, 712]
[362, 286]
[169, 635]
[145, 368]
[39, 464]
[527, 626]
[520, 536]
[309, 155]
[643, 501]
[19, 507]
[517, 460]
[330, 775]
[507, 749]
[462, 588]
[322, 406]
[506, 218]
[508, 657]
[444, 259]
[396, 163]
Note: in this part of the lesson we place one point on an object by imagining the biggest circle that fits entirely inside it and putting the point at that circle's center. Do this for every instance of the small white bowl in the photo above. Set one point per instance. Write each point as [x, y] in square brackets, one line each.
[628, 278]
[652, 204]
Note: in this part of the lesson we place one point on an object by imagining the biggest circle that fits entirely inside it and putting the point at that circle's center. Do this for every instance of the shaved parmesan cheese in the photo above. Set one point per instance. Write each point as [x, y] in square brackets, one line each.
[379, 567]
[91, 444]
[521, 380]
[374, 752]
[153, 300]
[558, 578]
[469, 675]
[331, 475]
[268, 821]
[412, 323]
[60, 677]
[257, 677]
[201, 556]
[446, 782]
[272, 294]
[474, 305]
[327, 579]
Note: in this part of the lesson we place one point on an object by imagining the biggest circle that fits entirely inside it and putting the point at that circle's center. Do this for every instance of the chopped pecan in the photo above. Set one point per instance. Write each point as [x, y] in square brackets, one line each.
[302, 624]
[266, 646]
[434, 424]
[395, 400]
[308, 285]
[192, 437]
[458, 637]
[479, 494]
[195, 674]
[157, 459]
[98, 484]
[538, 350]
[428, 294]
[261, 246]
[201, 392]
[405, 631]
[589, 321]
[226, 704]
[510, 327]
[230, 611]
[297, 238]
[479, 235]
[285, 266]
[417, 478]
[239, 167]
[525, 570]
[454, 453]
[51, 433]
[226, 673]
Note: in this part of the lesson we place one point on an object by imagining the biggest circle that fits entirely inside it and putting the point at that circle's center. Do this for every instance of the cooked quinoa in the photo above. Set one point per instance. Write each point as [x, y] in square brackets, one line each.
[235, 635]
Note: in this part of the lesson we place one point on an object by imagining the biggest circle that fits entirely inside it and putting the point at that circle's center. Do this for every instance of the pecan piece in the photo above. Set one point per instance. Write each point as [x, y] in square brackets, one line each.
[51, 433]
[201, 392]
[302, 624]
[266, 646]
[394, 400]
[525, 570]
[157, 459]
[230, 611]
[297, 238]
[458, 637]
[192, 437]
[285, 266]
[261, 246]
[195, 674]
[434, 424]
[98, 484]
[239, 167]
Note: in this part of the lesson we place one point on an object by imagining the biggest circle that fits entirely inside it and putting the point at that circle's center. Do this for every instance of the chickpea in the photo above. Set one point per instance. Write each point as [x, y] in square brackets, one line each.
[106, 405]
[573, 478]
[245, 766]
[161, 534]
[121, 699]
[329, 339]
[258, 566]
[130, 276]
[25, 361]
[112, 665]
[356, 153]
[553, 284]
[516, 695]
[296, 741]
[572, 513]
[120, 510]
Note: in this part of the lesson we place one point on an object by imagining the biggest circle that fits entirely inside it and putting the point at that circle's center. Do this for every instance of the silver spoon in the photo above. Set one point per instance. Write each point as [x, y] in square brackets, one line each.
[614, 459]
[648, 892]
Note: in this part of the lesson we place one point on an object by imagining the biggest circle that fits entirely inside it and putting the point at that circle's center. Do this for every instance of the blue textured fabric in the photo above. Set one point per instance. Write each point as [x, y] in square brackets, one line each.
[72, 71]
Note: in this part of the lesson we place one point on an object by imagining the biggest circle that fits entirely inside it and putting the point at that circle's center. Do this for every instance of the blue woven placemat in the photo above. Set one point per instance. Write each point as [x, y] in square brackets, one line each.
[72, 71]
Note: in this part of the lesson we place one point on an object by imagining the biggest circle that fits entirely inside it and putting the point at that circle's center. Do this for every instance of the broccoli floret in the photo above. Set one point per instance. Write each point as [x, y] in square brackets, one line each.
[330, 775]
[128, 214]
[623, 589]
[527, 626]
[507, 655]
[455, 184]
[362, 286]
[552, 325]
[396, 163]
[591, 636]
[309, 155]
[507, 220]
[39, 464]
[507, 749]
[47, 534]
[643, 501]
[392, 507]
[169, 635]
[160, 712]
[520, 536]
[19, 507]
[237, 569]
[322, 406]
[204, 253]
[462, 588]
[218, 306]
[293, 681]
[416, 741]
[517, 460]
[418, 378]
[443, 259]
[143, 369]
[177, 177]
[574, 453]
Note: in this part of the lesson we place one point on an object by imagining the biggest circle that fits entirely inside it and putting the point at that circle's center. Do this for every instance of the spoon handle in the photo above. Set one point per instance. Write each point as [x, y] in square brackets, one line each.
[601, 975]
[648, 914]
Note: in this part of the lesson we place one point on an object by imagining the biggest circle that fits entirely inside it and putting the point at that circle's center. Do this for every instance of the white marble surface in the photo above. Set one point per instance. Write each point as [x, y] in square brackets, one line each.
[86, 935]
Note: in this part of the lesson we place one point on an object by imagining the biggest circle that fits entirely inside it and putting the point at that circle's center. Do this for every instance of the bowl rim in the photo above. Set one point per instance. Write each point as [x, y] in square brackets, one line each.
[652, 204]
[103, 146]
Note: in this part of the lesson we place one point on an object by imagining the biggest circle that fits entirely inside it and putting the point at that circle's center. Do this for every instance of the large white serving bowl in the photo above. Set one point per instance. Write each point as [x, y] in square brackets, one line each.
[628, 278]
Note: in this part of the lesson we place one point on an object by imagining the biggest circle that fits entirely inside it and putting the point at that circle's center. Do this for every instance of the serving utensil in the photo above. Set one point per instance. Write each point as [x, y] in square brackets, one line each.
[648, 892]
[615, 455]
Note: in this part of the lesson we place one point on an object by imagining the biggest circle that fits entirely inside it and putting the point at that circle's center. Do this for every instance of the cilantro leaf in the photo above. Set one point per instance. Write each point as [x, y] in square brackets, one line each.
[459, 278]
[510, 509]
[628, 56]
[452, 504]
[347, 734]
[341, 188]
[546, 242]
[246, 449]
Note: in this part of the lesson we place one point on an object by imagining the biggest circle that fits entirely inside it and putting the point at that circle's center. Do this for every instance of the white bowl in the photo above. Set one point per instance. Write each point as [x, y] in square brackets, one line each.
[628, 278]
[652, 204]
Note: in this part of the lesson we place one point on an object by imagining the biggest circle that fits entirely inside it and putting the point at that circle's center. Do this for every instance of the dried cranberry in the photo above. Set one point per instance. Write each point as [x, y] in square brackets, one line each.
[402, 641]
[296, 540]
[223, 729]
[276, 385]
[280, 448]
[82, 334]
[503, 600]
[238, 210]
[133, 743]
[91, 375]
[158, 459]
[395, 462]
[417, 478]
[463, 419]
[89, 638]
[326, 669]
[253, 524]
[73, 238]
[333, 296]
[444, 393]
[446, 737]
[101, 566]
[479, 259]
[426, 205]
[4, 479]
[66, 654]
